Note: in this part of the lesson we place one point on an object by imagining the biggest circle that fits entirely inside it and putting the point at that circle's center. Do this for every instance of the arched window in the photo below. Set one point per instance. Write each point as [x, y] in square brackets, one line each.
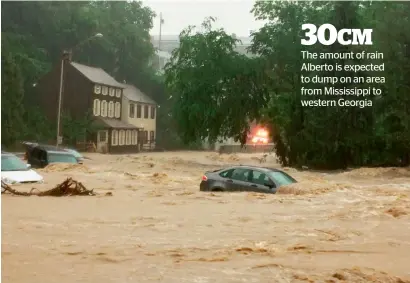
[111, 109]
[96, 107]
[104, 90]
[117, 110]
[104, 108]
[97, 89]
[112, 91]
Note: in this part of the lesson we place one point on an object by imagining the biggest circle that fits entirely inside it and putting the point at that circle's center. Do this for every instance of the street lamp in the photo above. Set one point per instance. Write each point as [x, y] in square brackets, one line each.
[59, 137]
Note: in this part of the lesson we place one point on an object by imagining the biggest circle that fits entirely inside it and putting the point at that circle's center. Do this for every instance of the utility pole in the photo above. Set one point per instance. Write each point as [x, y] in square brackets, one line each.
[161, 21]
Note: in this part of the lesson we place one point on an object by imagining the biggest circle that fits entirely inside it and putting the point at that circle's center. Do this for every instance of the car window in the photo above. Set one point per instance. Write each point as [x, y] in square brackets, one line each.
[226, 173]
[12, 163]
[241, 174]
[61, 158]
[259, 178]
[281, 178]
[74, 152]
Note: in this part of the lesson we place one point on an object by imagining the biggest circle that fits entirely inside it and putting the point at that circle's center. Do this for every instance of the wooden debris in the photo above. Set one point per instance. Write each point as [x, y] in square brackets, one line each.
[69, 187]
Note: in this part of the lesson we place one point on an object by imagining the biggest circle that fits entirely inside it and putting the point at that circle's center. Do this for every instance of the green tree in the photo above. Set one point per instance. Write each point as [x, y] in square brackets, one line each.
[12, 94]
[209, 83]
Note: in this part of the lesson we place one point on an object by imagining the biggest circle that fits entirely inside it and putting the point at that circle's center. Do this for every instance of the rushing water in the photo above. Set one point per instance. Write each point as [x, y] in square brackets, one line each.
[157, 226]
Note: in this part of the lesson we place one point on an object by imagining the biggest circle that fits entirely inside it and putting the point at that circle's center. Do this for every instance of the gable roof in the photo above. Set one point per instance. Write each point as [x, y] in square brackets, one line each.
[96, 75]
[134, 94]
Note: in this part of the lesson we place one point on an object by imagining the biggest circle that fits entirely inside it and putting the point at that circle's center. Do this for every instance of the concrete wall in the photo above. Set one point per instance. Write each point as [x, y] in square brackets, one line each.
[246, 148]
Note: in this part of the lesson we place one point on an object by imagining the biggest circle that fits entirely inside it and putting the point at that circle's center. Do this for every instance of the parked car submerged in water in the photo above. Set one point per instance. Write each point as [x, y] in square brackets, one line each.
[77, 155]
[245, 178]
[14, 170]
[39, 156]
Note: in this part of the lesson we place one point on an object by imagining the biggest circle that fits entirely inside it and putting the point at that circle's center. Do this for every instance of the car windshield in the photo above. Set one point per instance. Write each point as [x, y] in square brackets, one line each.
[61, 158]
[74, 152]
[12, 163]
[282, 178]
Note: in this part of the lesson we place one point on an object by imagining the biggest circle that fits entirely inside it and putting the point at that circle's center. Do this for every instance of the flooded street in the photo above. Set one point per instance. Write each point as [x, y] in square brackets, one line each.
[158, 227]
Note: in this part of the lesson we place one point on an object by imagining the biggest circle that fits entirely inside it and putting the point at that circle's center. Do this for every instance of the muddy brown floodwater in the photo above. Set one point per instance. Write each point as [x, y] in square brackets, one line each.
[157, 227]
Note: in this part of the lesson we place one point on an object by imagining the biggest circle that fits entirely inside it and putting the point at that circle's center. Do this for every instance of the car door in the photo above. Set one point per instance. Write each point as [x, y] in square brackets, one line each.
[259, 182]
[228, 183]
[240, 179]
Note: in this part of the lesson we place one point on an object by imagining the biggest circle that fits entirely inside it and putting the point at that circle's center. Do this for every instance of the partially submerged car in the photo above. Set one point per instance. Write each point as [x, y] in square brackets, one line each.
[31, 145]
[14, 170]
[39, 156]
[245, 178]
[77, 155]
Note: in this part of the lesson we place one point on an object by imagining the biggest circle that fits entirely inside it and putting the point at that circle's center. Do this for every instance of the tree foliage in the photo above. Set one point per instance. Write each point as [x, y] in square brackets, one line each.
[209, 83]
[36, 33]
[11, 97]
[211, 101]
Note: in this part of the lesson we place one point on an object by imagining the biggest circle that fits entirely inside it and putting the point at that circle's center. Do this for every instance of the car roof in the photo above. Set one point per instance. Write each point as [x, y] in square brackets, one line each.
[60, 152]
[50, 148]
[7, 153]
[266, 169]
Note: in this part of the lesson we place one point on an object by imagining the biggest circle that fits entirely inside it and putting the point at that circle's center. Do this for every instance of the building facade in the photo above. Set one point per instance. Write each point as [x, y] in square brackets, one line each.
[140, 110]
[89, 89]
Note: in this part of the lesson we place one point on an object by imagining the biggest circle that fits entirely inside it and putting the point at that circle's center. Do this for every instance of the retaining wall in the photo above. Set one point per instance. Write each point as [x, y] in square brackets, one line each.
[248, 148]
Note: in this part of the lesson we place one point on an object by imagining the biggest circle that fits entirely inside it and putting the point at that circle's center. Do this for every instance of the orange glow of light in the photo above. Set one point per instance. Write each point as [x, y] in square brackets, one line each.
[254, 139]
[262, 133]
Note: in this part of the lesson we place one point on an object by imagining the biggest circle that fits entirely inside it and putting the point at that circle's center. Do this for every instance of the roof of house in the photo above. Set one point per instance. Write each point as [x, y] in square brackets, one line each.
[134, 94]
[115, 123]
[96, 75]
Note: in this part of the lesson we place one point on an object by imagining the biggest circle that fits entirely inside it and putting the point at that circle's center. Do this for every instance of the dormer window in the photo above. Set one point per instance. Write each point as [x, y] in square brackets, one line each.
[118, 92]
[104, 90]
[112, 91]
[97, 89]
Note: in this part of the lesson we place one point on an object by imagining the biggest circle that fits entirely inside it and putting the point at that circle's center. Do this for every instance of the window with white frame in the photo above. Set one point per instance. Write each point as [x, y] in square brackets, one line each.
[146, 111]
[96, 107]
[128, 137]
[112, 91]
[131, 110]
[97, 89]
[104, 90]
[104, 108]
[114, 137]
[117, 110]
[121, 140]
[111, 109]
[118, 92]
[134, 137]
[153, 112]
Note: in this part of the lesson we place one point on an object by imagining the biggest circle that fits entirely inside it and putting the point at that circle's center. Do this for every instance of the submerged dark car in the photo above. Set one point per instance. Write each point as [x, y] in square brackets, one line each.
[39, 156]
[77, 155]
[245, 178]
